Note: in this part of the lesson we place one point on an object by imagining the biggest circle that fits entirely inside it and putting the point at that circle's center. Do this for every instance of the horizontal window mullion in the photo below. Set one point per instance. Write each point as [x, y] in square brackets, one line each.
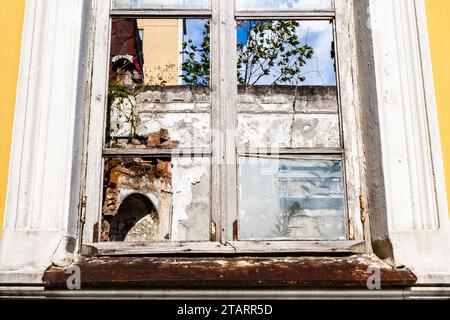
[289, 151]
[295, 157]
[160, 13]
[230, 248]
[304, 15]
[202, 152]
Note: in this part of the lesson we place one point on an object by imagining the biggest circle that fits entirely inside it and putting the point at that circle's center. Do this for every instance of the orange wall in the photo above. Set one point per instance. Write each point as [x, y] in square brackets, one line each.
[11, 19]
[161, 43]
[438, 13]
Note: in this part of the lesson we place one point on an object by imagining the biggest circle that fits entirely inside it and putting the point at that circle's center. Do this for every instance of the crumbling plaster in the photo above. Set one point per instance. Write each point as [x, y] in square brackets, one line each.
[269, 117]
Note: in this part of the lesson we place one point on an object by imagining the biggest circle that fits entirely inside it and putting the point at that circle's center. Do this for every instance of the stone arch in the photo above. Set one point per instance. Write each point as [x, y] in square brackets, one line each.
[136, 220]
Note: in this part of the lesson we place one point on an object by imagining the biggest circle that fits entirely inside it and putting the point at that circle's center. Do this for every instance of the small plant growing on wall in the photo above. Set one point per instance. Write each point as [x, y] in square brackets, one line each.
[123, 101]
[122, 98]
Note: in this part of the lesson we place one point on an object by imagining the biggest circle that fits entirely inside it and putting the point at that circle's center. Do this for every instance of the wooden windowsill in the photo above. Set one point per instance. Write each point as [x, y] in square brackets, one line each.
[237, 272]
[230, 248]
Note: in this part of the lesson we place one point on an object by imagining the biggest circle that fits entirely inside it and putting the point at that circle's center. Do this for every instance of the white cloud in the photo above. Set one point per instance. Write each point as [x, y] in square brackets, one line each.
[320, 69]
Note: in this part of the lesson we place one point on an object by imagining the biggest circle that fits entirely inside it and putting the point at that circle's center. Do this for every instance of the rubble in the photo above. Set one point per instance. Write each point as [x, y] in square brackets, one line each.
[169, 144]
[154, 140]
[160, 139]
[130, 184]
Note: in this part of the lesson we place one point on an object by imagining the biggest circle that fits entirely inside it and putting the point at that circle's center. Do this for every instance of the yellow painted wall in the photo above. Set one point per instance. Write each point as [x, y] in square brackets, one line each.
[11, 18]
[438, 12]
[161, 45]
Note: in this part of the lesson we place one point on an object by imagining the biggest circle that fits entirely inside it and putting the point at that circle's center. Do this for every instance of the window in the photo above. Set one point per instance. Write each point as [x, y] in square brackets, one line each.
[223, 125]
[158, 112]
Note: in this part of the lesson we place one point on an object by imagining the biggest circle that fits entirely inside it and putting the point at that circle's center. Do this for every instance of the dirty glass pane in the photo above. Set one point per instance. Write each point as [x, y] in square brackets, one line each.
[284, 5]
[160, 4]
[282, 199]
[156, 199]
[285, 52]
[159, 94]
[301, 130]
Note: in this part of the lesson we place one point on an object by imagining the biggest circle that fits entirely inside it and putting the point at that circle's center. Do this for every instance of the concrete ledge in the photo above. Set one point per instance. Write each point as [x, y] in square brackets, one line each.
[433, 279]
[415, 293]
[20, 277]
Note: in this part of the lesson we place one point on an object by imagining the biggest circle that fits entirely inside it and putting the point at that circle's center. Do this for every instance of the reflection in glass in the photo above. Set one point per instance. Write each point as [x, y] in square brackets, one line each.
[160, 4]
[310, 5]
[147, 56]
[285, 52]
[291, 199]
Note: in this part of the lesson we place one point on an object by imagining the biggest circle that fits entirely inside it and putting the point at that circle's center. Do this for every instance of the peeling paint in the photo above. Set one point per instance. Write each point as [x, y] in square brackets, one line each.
[191, 199]
[274, 130]
[269, 117]
[237, 272]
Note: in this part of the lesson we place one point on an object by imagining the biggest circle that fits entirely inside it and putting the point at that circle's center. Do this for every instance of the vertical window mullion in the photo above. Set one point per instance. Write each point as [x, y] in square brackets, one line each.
[97, 114]
[224, 119]
[216, 145]
[354, 177]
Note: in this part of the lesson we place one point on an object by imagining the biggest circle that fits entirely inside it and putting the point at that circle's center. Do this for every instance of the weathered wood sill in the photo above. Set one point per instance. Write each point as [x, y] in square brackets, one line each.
[243, 272]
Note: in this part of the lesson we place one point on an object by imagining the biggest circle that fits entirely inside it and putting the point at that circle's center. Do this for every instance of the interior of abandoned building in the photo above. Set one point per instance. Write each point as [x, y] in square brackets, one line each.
[160, 107]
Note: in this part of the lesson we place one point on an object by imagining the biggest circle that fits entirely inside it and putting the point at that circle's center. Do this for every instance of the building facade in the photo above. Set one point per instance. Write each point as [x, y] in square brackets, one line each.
[225, 148]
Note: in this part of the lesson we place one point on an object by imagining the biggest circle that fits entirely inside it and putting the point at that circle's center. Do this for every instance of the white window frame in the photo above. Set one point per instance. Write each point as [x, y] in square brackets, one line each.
[224, 113]
[45, 178]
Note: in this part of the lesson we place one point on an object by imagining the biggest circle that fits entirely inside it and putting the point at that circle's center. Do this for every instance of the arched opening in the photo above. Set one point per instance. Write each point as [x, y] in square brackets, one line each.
[136, 220]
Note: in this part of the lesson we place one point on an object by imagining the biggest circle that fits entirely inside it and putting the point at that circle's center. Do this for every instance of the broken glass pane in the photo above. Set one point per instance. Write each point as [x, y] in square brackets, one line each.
[156, 199]
[159, 94]
[160, 4]
[285, 52]
[282, 199]
[287, 93]
[284, 5]
[288, 131]
[162, 126]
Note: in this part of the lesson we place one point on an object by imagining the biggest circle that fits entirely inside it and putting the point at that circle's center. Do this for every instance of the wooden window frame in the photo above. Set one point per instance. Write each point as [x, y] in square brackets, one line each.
[224, 152]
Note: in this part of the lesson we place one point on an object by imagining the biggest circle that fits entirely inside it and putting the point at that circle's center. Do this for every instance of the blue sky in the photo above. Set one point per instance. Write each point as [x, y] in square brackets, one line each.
[320, 69]
[318, 34]
[194, 31]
